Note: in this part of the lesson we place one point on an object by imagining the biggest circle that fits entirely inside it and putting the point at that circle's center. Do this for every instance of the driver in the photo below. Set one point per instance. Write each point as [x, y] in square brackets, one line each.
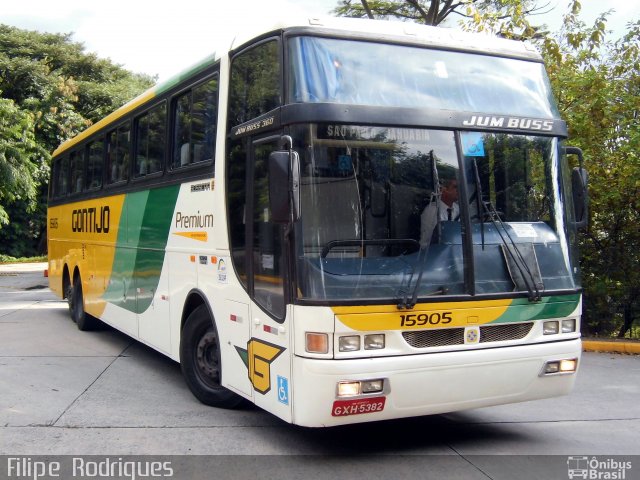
[445, 208]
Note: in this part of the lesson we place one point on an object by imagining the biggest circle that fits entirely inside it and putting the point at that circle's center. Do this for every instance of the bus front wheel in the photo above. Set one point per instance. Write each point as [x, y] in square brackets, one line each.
[200, 361]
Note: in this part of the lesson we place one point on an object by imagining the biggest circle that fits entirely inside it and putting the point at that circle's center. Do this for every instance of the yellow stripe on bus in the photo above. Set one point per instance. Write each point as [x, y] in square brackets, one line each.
[80, 240]
[423, 316]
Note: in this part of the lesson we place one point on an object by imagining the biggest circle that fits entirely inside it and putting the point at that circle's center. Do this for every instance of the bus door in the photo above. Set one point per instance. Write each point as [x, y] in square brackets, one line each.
[258, 250]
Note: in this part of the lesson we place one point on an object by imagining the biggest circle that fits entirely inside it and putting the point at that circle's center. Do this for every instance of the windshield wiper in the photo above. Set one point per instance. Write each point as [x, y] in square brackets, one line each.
[405, 303]
[511, 248]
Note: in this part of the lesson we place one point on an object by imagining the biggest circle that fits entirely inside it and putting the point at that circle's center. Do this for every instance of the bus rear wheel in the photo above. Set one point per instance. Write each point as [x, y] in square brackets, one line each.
[200, 361]
[84, 321]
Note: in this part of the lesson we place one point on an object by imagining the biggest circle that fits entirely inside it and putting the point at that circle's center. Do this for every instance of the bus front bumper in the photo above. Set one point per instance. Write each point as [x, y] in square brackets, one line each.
[427, 384]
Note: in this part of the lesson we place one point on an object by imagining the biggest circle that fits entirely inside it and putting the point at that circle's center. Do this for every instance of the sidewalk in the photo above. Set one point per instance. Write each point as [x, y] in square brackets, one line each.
[23, 276]
[611, 345]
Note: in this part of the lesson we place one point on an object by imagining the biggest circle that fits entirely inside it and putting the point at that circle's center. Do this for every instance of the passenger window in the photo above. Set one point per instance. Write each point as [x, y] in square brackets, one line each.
[61, 177]
[118, 142]
[95, 164]
[76, 160]
[195, 116]
[150, 141]
[255, 83]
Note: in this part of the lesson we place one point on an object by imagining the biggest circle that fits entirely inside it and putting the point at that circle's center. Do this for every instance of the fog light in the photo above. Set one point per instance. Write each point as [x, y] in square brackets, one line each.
[569, 325]
[317, 342]
[348, 389]
[568, 366]
[374, 341]
[551, 367]
[349, 344]
[372, 386]
[550, 328]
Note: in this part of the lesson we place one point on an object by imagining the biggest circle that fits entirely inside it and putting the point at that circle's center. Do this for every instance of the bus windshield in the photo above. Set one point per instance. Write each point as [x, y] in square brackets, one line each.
[375, 74]
[382, 215]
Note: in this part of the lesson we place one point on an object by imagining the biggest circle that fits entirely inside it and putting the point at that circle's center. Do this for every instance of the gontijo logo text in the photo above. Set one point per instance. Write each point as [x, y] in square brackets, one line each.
[91, 220]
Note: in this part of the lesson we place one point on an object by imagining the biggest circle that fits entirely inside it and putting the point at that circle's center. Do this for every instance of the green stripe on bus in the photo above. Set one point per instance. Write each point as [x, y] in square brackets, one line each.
[521, 310]
[135, 273]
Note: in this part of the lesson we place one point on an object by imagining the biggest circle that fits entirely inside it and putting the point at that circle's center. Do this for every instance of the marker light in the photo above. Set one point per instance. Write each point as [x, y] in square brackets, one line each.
[349, 343]
[317, 342]
[569, 325]
[374, 341]
[550, 328]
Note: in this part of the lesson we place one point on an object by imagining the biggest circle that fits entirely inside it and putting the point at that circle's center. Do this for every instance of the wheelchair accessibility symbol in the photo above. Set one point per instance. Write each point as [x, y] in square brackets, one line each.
[283, 390]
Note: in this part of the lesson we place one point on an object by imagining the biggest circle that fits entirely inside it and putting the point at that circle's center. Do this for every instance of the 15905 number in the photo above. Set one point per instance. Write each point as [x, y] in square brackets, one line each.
[418, 319]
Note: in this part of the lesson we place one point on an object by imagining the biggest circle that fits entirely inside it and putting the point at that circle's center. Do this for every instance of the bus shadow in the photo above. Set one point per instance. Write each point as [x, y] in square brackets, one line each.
[433, 434]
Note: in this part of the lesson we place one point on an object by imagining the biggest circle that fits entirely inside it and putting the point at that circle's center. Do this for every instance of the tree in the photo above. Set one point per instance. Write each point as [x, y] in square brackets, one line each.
[50, 90]
[508, 18]
[597, 85]
[596, 82]
[22, 161]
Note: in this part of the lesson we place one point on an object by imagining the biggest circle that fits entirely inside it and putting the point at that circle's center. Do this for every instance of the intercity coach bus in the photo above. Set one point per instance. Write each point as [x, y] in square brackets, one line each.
[338, 220]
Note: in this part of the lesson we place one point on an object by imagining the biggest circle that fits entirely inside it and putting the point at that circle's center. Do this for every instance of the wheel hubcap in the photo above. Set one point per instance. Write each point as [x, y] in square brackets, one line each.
[207, 358]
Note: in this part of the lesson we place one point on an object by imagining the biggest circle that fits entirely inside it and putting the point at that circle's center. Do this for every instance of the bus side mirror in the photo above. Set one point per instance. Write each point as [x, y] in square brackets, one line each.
[579, 181]
[284, 186]
[579, 186]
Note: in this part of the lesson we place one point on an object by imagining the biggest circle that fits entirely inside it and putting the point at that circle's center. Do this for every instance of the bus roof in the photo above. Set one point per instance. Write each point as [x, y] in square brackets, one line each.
[435, 37]
[445, 38]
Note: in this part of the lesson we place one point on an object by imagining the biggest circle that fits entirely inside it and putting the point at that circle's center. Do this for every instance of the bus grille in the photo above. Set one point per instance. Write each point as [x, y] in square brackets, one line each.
[455, 336]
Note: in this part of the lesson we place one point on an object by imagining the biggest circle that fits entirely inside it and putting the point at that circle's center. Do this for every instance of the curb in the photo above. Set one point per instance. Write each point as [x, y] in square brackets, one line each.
[611, 347]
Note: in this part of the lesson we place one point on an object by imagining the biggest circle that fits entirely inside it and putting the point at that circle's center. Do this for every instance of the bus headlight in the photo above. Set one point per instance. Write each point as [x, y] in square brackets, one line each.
[374, 341]
[551, 327]
[569, 325]
[349, 343]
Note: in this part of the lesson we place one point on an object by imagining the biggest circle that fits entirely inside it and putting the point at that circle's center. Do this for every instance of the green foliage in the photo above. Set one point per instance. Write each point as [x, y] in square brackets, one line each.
[22, 161]
[507, 18]
[50, 90]
[597, 84]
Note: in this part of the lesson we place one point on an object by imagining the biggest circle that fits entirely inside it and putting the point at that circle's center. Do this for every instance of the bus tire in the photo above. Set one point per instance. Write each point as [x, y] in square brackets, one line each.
[84, 321]
[200, 361]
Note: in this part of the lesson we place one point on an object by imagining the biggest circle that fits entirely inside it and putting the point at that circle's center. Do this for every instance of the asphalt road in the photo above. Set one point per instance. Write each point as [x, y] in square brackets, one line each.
[66, 392]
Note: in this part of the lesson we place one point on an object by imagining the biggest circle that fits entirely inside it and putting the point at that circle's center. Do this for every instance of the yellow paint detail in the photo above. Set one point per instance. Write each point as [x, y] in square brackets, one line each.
[112, 118]
[79, 240]
[260, 355]
[200, 236]
[423, 316]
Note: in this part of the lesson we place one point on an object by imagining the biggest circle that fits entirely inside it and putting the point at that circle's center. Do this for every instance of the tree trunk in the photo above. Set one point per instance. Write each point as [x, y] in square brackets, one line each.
[628, 320]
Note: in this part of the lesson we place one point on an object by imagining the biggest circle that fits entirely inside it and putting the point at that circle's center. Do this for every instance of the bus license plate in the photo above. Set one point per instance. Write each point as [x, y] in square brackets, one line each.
[343, 408]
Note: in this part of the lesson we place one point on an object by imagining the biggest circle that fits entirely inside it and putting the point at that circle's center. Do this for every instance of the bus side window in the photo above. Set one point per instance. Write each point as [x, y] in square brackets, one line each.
[150, 127]
[254, 87]
[76, 160]
[95, 164]
[61, 174]
[118, 142]
[195, 124]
